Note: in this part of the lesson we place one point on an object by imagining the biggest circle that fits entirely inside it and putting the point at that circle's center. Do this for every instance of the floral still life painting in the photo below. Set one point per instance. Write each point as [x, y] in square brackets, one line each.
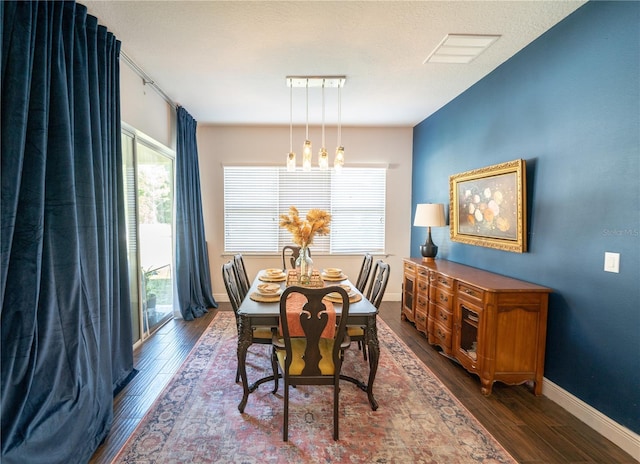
[488, 206]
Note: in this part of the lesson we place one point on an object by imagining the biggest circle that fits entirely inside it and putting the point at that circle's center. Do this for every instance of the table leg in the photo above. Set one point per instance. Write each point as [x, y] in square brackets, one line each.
[373, 346]
[244, 341]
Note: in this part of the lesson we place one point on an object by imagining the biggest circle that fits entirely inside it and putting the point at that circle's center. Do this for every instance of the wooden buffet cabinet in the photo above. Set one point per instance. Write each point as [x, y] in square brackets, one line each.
[493, 325]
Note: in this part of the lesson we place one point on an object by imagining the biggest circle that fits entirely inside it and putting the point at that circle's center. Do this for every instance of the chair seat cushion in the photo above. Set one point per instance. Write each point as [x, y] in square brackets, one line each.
[262, 333]
[298, 346]
[355, 331]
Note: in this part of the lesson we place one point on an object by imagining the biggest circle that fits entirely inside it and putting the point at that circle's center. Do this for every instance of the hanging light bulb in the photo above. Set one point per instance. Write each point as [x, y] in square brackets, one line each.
[323, 156]
[291, 157]
[338, 162]
[307, 151]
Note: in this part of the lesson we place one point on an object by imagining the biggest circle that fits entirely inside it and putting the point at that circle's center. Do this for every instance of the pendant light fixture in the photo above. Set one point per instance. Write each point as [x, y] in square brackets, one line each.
[323, 156]
[307, 153]
[291, 157]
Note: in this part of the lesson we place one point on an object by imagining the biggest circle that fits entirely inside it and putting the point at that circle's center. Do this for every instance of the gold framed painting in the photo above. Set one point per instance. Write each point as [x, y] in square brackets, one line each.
[488, 207]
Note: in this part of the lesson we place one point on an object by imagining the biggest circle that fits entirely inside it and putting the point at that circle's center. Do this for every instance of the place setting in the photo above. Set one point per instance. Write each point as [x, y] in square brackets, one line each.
[333, 274]
[267, 293]
[353, 294]
[273, 275]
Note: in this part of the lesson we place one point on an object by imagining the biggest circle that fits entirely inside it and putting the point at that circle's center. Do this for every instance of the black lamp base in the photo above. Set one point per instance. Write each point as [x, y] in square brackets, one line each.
[429, 250]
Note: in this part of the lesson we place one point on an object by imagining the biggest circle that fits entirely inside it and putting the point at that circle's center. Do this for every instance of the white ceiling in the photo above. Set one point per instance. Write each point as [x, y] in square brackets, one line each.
[226, 61]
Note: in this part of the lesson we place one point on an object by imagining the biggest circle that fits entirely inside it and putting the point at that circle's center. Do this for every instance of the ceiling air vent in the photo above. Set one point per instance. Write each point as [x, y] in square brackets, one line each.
[460, 48]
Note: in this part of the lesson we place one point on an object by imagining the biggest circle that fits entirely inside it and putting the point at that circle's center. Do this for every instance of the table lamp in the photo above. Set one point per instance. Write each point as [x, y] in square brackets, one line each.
[429, 215]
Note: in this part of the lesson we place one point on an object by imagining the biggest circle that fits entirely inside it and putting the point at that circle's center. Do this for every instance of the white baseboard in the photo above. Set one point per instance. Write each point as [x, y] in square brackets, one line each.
[626, 439]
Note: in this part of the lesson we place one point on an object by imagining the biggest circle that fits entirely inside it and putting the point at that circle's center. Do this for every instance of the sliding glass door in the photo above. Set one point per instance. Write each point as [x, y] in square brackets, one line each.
[149, 179]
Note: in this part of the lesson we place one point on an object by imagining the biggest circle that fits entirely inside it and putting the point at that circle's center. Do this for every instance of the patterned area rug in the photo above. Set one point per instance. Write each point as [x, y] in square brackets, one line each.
[196, 419]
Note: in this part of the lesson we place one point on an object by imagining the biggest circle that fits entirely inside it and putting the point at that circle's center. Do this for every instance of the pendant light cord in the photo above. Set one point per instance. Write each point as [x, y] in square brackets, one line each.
[307, 109]
[323, 114]
[339, 115]
[291, 116]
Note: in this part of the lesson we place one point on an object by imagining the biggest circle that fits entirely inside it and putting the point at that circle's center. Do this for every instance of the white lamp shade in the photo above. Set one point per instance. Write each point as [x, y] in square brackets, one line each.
[429, 215]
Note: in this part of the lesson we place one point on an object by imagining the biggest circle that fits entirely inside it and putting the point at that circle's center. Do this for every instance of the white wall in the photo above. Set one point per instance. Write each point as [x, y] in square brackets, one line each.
[145, 110]
[268, 145]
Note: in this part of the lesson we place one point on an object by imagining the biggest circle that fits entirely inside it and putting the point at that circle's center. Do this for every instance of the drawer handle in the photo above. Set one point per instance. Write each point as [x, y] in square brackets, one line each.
[443, 298]
[441, 335]
[469, 292]
[444, 317]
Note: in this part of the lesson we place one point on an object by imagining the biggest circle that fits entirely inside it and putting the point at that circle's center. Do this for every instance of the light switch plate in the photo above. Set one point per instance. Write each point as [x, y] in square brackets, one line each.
[612, 262]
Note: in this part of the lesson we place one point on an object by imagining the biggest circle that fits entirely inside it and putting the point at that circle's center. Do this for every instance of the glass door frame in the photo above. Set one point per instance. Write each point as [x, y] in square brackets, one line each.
[139, 138]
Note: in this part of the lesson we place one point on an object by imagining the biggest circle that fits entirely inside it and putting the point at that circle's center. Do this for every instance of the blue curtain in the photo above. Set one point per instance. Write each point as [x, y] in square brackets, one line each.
[193, 278]
[66, 320]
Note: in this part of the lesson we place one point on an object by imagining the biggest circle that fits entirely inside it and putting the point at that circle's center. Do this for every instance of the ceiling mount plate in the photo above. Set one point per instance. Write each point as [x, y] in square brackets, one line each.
[316, 81]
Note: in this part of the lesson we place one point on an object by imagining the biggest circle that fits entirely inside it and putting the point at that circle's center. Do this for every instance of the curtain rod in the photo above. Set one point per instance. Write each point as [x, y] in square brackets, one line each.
[146, 79]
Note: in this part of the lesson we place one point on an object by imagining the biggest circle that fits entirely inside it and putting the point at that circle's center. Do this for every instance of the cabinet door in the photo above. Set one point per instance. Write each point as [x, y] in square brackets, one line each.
[409, 291]
[466, 347]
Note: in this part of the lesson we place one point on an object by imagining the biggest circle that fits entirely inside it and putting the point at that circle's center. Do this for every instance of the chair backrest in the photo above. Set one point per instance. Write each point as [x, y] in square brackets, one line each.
[289, 255]
[378, 283]
[310, 320]
[365, 270]
[230, 278]
[241, 273]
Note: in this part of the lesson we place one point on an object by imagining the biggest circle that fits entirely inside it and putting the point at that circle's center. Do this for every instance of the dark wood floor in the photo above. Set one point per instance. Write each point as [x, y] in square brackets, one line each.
[533, 429]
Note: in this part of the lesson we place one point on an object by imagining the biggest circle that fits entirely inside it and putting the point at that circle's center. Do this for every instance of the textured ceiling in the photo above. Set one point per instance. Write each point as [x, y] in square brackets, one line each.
[226, 61]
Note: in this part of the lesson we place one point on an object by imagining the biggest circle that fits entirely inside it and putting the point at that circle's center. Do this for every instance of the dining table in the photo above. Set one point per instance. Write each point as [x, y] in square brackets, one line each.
[262, 311]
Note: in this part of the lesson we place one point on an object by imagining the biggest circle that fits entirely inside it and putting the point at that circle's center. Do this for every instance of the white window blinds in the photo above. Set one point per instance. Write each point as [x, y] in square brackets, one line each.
[255, 197]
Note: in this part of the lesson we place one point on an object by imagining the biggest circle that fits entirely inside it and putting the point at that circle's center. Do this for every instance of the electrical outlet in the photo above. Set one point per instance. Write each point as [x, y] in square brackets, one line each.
[612, 262]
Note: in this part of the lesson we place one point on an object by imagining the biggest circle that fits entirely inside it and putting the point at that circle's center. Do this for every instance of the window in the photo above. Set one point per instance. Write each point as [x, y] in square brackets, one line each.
[255, 197]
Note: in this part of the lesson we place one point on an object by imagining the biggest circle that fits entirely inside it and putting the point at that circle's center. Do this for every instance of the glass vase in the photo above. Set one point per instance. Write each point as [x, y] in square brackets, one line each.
[304, 264]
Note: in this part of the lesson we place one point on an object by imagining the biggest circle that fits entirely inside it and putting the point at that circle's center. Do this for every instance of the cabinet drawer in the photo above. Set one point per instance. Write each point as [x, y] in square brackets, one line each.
[421, 321]
[441, 297]
[422, 304]
[422, 285]
[442, 335]
[470, 291]
[422, 272]
[409, 267]
[442, 281]
[441, 315]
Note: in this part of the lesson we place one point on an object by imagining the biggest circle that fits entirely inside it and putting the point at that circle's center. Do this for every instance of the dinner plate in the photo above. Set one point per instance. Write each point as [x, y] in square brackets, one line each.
[348, 288]
[334, 278]
[337, 299]
[270, 294]
[273, 278]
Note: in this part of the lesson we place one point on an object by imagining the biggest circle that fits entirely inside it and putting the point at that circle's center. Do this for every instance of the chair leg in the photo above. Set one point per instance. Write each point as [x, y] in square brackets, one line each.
[237, 374]
[364, 349]
[285, 427]
[336, 408]
[274, 367]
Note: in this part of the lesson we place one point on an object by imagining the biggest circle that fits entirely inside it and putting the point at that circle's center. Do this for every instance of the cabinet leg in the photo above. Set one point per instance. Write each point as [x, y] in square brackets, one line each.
[486, 387]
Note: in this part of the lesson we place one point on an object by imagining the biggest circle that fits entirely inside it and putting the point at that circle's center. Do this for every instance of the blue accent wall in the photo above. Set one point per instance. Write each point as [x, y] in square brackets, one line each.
[569, 105]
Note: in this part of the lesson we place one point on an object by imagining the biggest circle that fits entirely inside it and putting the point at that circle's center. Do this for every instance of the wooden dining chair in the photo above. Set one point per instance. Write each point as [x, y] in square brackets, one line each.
[378, 283]
[289, 255]
[365, 270]
[374, 294]
[311, 346]
[357, 332]
[259, 334]
[243, 278]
